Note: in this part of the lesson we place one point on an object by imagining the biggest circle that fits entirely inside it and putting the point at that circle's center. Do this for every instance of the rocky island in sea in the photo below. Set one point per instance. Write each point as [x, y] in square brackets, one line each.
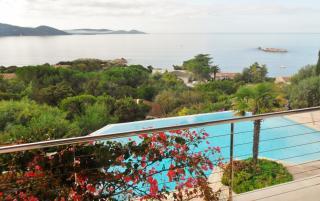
[273, 50]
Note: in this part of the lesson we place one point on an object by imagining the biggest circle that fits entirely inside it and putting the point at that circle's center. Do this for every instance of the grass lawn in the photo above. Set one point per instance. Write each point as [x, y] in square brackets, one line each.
[246, 179]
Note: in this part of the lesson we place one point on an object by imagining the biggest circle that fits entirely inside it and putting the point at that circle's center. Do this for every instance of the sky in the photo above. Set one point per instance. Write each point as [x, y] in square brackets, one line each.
[167, 16]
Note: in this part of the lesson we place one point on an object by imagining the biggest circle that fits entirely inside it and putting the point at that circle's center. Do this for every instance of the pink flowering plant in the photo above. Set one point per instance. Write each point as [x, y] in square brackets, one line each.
[154, 166]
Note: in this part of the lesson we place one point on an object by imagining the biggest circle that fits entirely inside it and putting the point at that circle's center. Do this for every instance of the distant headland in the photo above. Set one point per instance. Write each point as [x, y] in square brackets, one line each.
[101, 31]
[12, 30]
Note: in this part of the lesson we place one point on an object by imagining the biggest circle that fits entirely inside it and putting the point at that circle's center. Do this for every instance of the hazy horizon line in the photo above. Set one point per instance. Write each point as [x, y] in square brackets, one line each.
[160, 32]
[233, 32]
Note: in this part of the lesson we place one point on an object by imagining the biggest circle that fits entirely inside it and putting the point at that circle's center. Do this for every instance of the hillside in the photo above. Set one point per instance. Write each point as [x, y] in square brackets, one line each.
[11, 30]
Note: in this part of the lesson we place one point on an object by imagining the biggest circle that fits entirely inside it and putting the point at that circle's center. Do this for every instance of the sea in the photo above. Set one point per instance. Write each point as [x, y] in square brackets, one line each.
[231, 51]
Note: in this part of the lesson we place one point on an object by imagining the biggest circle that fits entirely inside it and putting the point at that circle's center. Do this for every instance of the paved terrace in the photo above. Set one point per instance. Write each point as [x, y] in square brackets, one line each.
[312, 117]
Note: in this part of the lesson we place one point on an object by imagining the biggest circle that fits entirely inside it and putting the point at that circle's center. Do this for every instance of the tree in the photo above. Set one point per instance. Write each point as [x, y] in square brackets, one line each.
[53, 94]
[318, 66]
[44, 75]
[146, 92]
[168, 100]
[305, 88]
[127, 110]
[76, 105]
[10, 89]
[94, 117]
[87, 65]
[91, 86]
[221, 86]
[122, 82]
[258, 99]
[304, 73]
[201, 66]
[305, 93]
[256, 73]
[132, 76]
[215, 70]
[168, 81]
[26, 121]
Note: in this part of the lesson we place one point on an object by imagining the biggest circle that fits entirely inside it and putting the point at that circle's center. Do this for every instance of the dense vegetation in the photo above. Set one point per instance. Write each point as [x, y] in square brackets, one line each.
[75, 100]
[305, 88]
[87, 94]
[247, 178]
[78, 97]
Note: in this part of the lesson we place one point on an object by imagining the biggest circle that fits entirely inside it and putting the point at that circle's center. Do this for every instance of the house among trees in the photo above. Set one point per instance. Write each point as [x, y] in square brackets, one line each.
[185, 76]
[158, 70]
[225, 76]
[282, 80]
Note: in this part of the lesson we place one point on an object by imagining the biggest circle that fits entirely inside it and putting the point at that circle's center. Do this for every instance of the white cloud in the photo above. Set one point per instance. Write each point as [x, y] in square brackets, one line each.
[159, 8]
[154, 15]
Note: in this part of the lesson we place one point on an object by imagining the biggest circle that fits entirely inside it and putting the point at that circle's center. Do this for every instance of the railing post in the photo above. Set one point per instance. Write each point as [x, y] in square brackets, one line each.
[231, 162]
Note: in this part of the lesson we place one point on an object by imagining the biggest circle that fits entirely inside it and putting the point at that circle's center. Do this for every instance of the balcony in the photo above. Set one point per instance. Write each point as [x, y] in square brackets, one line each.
[183, 158]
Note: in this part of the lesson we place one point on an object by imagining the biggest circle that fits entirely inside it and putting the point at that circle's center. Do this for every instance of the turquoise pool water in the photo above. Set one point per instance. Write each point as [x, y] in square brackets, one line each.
[280, 139]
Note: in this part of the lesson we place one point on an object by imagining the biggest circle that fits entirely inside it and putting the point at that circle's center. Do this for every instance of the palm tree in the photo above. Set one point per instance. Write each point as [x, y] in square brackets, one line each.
[215, 69]
[258, 99]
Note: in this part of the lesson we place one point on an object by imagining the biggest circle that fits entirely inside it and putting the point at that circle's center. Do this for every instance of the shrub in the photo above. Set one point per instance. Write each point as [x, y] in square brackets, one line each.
[94, 117]
[246, 178]
[76, 105]
[26, 121]
[305, 93]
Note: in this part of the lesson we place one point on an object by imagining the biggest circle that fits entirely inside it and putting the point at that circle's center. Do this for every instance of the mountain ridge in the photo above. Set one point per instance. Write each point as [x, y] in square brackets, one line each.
[43, 30]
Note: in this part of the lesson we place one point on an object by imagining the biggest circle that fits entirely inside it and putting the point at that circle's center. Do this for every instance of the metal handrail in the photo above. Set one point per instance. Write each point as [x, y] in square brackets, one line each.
[110, 136]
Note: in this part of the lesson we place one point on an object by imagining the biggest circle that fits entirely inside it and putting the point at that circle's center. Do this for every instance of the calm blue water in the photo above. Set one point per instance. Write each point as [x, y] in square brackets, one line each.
[281, 139]
[232, 52]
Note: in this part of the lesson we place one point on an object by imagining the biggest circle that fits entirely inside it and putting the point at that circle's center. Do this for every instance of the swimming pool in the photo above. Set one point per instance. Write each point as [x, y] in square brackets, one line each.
[280, 138]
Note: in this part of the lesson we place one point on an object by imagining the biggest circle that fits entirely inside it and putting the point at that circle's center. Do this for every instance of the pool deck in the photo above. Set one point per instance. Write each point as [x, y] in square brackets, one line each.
[302, 171]
[311, 120]
[306, 176]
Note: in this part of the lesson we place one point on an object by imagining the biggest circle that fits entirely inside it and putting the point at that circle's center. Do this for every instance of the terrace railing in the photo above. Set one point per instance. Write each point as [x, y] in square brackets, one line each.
[56, 165]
